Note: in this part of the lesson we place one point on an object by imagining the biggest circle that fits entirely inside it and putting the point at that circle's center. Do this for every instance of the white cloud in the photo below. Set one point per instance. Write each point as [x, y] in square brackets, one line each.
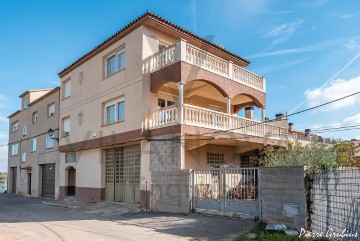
[334, 90]
[4, 119]
[284, 31]
[270, 69]
[309, 48]
[346, 15]
[320, 2]
[352, 44]
[352, 119]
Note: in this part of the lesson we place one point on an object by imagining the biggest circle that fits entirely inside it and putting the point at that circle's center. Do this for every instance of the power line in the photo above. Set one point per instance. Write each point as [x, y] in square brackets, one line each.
[337, 127]
[330, 102]
[335, 130]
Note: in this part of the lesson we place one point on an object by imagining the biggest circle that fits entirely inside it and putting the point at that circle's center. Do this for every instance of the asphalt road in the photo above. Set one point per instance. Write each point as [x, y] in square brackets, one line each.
[30, 219]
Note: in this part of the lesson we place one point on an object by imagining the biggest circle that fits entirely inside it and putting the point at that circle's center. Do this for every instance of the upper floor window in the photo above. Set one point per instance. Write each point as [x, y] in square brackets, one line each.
[66, 126]
[14, 149]
[24, 130]
[15, 126]
[67, 88]
[115, 62]
[33, 144]
[34, 117]
[26, 104]
[162, 46]
[51, 110]
[114, 111]
[23, 158]
[50, 142]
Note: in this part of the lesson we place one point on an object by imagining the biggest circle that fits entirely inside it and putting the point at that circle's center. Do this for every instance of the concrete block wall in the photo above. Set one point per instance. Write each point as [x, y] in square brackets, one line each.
[283, 196]
[170, 184]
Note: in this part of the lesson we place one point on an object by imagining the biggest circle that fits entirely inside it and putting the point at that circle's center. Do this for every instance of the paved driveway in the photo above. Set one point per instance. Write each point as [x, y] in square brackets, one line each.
[30, 219]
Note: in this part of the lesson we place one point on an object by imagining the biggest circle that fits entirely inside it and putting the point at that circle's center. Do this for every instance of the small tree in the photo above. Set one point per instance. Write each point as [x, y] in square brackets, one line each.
[316, 156]
[345, 153]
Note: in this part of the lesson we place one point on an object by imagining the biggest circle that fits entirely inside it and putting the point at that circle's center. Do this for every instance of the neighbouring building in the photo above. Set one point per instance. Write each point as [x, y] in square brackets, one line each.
[147, 105]
[33, 164]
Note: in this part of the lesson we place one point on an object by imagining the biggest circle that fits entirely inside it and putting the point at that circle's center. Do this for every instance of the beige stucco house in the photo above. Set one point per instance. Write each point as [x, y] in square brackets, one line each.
[33, 161]
[150, 103]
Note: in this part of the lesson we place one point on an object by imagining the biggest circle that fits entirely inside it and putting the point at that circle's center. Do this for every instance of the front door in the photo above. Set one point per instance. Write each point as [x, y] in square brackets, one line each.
[29, 184]
[13, 179]
[48, 180]
[123, 174]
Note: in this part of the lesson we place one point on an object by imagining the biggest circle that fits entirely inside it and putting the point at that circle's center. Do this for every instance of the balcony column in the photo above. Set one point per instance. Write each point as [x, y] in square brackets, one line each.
[180, 50]
[228, 108]
[230, 71]
[228, 105]
[262, 114]
[181, 102]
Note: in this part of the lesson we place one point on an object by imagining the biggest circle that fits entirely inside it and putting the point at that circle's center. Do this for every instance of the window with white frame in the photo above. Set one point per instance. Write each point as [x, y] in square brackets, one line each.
[15, 126]
[24, 130]
[114, 111]
[23, 158]
[26, 104]
[14, 149]
[50, 141]
[35, 117]
[51, 110]
[66, 126]
[33, 144]
[165, 100]
[116, 62]
[67, 88]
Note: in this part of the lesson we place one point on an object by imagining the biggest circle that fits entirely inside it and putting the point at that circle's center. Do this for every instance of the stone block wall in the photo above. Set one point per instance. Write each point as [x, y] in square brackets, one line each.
[283, 196]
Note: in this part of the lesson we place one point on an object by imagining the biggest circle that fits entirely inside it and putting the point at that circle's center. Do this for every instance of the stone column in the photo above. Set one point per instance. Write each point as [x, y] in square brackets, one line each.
[228, 105]
[181, 102]
[262, 114]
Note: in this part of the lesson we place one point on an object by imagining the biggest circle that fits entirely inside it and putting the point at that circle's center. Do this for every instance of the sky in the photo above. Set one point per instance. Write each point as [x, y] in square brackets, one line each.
[308, 50]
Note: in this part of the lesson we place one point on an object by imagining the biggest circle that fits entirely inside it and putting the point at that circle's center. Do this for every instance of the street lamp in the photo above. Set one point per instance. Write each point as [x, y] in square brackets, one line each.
[51, 134]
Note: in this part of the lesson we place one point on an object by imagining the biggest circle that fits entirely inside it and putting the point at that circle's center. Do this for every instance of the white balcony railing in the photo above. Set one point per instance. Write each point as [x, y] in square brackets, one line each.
[201, 117]
[182, 51]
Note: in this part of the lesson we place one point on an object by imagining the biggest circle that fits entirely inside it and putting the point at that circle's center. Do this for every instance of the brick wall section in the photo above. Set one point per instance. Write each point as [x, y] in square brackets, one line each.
[279, 187]
[336, 201]
[170, 184]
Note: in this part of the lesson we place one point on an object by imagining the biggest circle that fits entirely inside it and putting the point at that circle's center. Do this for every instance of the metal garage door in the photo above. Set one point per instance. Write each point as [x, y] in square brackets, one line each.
[123, 174]
[48, 180]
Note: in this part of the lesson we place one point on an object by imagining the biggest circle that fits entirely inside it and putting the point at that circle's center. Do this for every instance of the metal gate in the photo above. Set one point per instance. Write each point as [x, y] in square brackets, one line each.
[123, 174]
[226, 190]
